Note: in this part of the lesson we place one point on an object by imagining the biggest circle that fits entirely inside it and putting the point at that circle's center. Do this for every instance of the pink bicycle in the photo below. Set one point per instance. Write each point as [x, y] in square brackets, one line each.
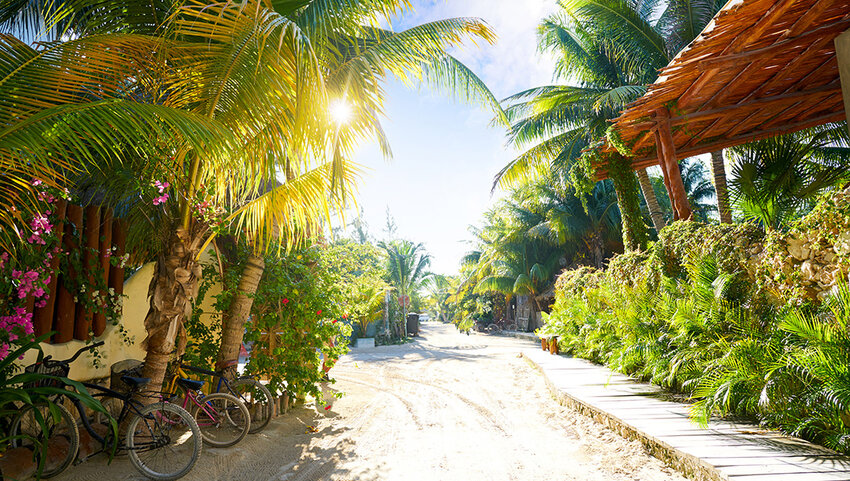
[222, 418]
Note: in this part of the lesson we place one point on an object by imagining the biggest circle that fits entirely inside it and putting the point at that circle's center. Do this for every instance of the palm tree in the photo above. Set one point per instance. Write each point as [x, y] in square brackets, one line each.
[776, 180]
[721, 189]
[356, 58]
[407, 266]
[69, 108]
[309, 52]
[610, 49]
[698, 188]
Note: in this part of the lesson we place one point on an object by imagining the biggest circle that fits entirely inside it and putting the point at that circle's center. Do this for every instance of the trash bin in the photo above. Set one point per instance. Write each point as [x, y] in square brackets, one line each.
[413, 324]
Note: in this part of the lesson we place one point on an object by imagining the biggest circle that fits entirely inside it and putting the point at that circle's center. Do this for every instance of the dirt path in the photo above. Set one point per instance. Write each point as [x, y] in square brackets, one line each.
[446, 407]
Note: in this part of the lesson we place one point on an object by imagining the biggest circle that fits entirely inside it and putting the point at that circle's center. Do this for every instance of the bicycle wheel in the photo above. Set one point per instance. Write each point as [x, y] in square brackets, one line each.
[257, 398]
[63, 438]
[223, 419]
[163, 441]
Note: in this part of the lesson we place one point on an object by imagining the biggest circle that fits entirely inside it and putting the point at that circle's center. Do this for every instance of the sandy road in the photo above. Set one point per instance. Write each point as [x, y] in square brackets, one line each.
[445, 407]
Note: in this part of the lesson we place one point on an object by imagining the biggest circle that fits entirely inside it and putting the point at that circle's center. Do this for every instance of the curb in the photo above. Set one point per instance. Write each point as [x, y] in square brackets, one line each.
[687, 464]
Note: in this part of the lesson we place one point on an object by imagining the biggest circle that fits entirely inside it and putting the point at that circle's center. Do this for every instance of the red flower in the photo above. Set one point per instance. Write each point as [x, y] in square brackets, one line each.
[345, 316]
[285, 301]
[319, 312]
[334, 321]
[327, 408]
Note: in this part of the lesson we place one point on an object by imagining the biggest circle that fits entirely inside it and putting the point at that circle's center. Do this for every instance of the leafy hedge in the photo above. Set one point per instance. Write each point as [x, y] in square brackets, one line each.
[698, 313]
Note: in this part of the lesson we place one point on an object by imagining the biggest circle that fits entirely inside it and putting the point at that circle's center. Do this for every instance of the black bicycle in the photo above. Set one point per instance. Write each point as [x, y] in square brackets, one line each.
[162, 440]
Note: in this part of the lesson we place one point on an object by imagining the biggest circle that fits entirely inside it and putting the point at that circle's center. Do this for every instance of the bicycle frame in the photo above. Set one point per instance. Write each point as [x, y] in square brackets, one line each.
[181, 373]
[129, 405]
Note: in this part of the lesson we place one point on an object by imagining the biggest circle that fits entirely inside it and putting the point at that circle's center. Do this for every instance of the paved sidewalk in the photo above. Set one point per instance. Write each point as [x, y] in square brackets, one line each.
[723, 451]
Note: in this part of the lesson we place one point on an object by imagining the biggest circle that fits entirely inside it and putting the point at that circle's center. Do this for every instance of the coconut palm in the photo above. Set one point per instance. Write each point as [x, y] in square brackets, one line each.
[608, 50]
[776, 180]
[356, 57]
[407, 267]
[72, 107]
[267, 76]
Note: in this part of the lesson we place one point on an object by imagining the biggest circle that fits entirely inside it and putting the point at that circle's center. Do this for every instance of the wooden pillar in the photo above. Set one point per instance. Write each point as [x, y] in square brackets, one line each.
[103, 251]
[43, 316]
[63, 324]
[842, 54]
[667, 157]
[91, 242]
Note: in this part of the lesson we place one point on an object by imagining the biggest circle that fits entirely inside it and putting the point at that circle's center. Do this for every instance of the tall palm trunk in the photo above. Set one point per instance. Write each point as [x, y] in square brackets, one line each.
[171, 294]
[651, 201]
[718, 171]
[233, 323]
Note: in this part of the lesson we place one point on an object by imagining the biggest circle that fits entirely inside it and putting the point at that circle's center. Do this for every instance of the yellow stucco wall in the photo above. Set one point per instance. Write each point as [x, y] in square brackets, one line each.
[116, 349]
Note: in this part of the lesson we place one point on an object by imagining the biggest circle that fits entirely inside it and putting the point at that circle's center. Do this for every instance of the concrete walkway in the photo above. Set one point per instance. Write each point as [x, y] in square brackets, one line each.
[722, 451]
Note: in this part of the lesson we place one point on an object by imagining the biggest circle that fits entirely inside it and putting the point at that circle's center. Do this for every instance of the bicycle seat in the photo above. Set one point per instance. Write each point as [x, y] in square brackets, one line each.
[190, 384]
[135, 382]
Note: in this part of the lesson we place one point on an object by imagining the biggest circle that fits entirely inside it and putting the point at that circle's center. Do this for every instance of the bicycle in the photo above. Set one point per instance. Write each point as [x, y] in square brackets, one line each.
[223, 419]
[253, 394]
[162, 440]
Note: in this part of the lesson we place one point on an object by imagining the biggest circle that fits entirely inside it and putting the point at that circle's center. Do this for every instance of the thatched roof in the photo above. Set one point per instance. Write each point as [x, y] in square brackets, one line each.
[761, 68]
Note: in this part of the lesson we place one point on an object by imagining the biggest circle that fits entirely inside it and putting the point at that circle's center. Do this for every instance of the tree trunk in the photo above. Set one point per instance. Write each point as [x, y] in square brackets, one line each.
[651, 201]
[233, 322]
[172, 292]
[718, 171]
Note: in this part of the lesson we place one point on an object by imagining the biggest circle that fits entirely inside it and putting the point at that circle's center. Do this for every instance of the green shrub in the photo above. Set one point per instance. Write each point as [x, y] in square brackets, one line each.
[689, 314]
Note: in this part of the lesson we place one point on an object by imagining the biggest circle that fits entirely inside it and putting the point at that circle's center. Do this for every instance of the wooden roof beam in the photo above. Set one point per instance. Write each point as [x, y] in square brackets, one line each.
[772, 101]
[772, 14]
[778, 76]
[744, 58]
[808, 18]
[736, 46]
[753, 136]
[766, 102]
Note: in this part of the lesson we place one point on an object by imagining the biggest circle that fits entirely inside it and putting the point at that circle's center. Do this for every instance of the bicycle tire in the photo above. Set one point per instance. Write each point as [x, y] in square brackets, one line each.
[223, 419]
[160, 420]
[257, 398]
[66, 428]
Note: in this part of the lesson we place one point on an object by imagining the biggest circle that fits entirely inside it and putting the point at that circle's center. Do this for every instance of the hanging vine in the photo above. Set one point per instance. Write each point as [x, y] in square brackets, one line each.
[635, 237]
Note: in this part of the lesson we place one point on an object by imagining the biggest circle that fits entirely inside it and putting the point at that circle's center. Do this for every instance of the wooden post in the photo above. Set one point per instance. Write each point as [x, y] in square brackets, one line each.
[842, 54]
[99, 322]
[64, 321]
[43, 316]
[119, 241]
[91, 239]
[667, 156]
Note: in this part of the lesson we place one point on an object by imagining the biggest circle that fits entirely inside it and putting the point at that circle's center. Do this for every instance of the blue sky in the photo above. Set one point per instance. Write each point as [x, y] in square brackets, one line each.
[445, 154]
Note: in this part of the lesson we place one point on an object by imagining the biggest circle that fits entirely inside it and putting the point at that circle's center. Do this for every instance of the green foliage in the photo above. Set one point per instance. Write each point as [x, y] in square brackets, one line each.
[635, 235]
[17, 394]
[295, 321]
[777, 180]
[687, 315]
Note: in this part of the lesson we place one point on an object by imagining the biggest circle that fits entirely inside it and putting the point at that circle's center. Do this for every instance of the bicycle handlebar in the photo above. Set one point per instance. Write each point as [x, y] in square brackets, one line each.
[75, 356]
